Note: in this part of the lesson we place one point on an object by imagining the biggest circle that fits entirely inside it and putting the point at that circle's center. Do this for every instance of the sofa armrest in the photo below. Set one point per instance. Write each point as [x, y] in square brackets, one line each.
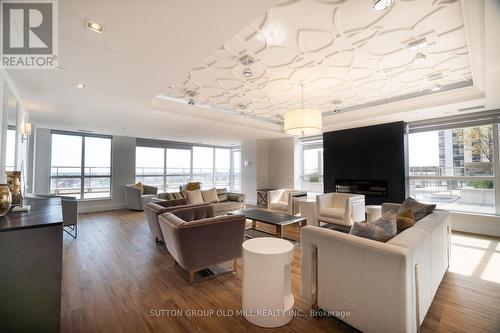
[148, 189]
[370, 279]
[239, 197]
[173, 202]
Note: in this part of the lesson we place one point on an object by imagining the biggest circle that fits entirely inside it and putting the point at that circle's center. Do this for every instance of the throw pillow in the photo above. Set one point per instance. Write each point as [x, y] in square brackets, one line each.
[138, 186]
[191, 186]
[195, 197]
[405, 220]
[370, 231]
[222, 194]
[388, 223]
[210, 196]
[420, 210]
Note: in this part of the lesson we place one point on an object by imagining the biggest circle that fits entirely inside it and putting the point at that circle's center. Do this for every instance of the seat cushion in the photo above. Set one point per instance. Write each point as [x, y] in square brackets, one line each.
[222, 194]
[147, 198]
[336, 213]
[280, 205]
[195, 197]
[227, 206]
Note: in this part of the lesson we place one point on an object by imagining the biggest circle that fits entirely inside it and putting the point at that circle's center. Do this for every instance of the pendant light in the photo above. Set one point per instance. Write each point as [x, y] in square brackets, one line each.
[303, 122]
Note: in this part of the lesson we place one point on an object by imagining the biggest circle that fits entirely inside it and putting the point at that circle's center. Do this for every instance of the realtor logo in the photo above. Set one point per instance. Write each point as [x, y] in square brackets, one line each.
[29, 34]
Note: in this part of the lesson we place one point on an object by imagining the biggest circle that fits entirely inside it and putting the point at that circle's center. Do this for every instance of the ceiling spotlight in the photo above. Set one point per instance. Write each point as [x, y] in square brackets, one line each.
[247, 61]
[80, 86]
[191, 101]
[418, 45]
[419, 58]
[436, 87]
[380, 5]
[95, 27]
[247, 72]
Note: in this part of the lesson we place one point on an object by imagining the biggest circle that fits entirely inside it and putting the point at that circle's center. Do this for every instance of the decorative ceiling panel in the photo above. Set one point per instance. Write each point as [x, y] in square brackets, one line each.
[344, 53]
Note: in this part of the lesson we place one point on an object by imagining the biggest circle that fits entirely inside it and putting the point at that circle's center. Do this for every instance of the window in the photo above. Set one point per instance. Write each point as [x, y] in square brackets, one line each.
[454, 168]
[222, 167]
[10, 152]
[80, 166]
[168, 168]
[236, 170]
[312, 165]
[150, 167]
[203, 166]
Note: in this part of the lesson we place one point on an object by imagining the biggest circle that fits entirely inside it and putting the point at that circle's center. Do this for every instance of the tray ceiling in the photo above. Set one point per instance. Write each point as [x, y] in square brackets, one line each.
[346, 54]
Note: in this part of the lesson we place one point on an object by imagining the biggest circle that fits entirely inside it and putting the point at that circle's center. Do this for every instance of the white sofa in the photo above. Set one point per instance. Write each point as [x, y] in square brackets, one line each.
[340, 208]
[285, 201]
[386, 287]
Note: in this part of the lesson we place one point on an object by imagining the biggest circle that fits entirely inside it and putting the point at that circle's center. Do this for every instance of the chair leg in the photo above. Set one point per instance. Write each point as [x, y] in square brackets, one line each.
[72, 228]
[191, 277]
[235, 265]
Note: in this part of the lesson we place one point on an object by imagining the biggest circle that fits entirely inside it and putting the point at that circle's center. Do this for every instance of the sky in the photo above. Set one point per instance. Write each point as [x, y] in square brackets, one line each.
[424, 149]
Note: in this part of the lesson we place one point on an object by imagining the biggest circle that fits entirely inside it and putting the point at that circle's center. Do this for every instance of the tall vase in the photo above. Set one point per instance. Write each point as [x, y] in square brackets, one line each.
[5, 199]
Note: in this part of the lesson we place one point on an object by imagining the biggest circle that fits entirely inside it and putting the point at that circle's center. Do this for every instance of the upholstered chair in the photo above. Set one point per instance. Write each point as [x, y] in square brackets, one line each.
[135, 199]
[154, 209]
[197, 239]
[285, 201]
[342, 209]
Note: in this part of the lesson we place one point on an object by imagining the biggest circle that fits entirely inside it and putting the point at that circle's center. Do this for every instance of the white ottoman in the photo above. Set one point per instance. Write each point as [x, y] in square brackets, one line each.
[373, 213]
[267, 294]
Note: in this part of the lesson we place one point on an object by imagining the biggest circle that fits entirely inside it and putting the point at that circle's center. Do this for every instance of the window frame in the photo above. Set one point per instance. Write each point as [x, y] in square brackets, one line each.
[82, 175]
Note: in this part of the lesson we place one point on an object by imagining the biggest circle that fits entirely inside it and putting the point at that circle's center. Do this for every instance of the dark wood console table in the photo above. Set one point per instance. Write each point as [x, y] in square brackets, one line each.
[31, 267]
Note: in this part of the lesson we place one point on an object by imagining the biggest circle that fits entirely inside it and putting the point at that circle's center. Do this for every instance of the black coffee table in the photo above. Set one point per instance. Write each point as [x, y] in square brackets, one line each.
[279, 220]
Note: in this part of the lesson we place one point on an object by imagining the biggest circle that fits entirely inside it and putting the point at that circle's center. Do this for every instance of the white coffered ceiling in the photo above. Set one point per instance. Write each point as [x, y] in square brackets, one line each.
[346, 54]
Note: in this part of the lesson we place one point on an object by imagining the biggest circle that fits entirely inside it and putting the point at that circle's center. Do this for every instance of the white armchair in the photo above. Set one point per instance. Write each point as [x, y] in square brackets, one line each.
[285, 201]
[342, 209]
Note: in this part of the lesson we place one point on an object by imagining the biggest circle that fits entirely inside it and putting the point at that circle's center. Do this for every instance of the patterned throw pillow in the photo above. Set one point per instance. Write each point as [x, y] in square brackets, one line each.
[222, 194]
[380, 230]
[420, 210]
[192, 186]
[405, 220]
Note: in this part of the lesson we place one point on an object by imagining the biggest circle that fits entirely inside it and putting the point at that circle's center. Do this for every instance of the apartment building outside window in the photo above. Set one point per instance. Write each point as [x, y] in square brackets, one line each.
[455, 167]
[80, 165]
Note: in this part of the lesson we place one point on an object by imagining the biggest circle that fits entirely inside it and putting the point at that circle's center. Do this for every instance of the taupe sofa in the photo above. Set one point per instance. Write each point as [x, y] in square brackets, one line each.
[154, 209]
[235, 201]
[197, 239]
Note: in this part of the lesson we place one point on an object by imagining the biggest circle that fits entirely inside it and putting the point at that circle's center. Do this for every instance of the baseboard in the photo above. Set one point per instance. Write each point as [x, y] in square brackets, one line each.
[94, 207]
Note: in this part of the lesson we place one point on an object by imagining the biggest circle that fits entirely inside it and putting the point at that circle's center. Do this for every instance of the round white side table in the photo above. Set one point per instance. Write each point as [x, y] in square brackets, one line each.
[267, 294]
[373, 212]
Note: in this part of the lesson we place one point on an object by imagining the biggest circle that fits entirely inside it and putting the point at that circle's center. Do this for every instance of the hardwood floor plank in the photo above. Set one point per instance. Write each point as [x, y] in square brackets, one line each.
[116, 279]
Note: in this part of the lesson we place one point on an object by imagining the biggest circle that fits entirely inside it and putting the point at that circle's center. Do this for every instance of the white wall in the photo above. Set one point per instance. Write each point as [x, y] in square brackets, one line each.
[476, 224]
[249, 172]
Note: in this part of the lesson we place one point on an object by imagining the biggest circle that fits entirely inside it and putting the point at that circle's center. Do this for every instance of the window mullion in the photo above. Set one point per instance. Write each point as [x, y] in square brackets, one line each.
[82, 170]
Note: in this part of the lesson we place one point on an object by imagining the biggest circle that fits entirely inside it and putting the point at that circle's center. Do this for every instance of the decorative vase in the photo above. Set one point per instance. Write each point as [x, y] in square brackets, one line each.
[14, 182]
[5, 199]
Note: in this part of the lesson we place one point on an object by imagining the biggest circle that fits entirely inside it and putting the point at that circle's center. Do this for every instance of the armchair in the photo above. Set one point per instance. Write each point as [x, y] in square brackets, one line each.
[285, 200]
[154, 209]
[342, 209]
[197, 239]
[135, 199]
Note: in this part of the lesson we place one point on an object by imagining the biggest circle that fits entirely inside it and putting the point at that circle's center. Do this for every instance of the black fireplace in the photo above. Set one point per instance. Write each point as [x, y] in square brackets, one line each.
[369, 188]
[367, 160]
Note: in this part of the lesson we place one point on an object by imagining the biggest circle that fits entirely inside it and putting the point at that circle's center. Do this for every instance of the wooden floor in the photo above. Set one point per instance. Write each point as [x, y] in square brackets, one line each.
[116, 279]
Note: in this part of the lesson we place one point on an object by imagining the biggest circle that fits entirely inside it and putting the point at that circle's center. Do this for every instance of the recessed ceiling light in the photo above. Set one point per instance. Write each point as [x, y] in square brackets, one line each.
[247, 72]
[419, 58]
[95, 27]
[436, 87]
[380, 5]
[418, 45]
[80, 86]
